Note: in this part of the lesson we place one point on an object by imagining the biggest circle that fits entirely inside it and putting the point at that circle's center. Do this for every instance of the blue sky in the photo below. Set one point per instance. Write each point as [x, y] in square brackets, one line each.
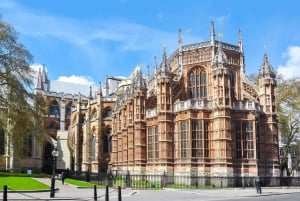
[84, 41]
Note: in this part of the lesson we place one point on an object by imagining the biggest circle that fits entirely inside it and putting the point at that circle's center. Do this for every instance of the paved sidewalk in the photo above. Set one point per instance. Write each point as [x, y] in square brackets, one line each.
[70, 192]
[64, 192]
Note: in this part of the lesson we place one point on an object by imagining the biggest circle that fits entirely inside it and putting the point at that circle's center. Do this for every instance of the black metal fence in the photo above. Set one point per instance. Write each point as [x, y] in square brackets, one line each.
[182, 182]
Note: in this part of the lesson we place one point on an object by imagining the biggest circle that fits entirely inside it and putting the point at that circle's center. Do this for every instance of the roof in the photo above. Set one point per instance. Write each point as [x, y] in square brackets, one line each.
[70, 88]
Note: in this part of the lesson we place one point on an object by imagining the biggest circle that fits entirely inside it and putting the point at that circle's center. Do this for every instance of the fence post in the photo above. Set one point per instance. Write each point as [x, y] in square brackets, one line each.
[106, 194]
[119, 194]
[95, 193]
[5, 193]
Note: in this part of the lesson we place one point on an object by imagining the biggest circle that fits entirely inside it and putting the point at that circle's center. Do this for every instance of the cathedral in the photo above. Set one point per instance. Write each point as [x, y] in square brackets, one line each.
[197, 114]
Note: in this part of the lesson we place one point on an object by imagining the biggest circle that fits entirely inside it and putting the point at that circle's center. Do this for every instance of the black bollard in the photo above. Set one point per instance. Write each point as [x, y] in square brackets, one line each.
[119, 194]
[106, 194]
[95, 193]
[4, 193]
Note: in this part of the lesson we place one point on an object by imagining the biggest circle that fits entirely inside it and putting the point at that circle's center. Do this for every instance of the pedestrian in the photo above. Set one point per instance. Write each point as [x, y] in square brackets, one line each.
[63, 176]
[258, 186]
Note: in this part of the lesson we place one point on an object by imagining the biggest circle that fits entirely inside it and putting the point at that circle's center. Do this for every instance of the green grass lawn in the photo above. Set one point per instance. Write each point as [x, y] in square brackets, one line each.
[79, 183]
[22, 183]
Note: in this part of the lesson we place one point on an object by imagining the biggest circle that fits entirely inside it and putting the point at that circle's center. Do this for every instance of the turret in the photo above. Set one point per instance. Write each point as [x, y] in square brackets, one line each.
[221, 79]
[267, 84]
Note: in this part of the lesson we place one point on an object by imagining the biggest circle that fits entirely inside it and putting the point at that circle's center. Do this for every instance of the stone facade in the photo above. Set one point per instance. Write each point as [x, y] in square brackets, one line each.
[198, 114]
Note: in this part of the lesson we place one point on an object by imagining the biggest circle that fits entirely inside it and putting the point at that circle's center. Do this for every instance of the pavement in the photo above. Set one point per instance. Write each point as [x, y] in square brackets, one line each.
[70, 192]
[65, 192]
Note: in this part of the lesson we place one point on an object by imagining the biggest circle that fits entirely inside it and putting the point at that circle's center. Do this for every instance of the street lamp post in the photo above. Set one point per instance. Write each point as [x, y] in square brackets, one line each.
[52, 191]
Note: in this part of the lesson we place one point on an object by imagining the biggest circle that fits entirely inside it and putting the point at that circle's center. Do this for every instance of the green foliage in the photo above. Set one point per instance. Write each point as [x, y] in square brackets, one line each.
[288, 110]
[21, 110]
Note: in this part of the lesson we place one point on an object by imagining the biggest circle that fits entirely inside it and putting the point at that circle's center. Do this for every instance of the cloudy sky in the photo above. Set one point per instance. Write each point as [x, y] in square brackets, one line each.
[84, 41]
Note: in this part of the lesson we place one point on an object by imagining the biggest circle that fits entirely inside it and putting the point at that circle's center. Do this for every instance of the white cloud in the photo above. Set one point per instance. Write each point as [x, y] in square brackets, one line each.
[84, 80]
[77, 79]
[292, 66]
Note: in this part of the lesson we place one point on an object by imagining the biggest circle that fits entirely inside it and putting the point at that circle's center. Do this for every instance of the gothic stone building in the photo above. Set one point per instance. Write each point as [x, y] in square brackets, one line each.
[198, 114]
[78, 124]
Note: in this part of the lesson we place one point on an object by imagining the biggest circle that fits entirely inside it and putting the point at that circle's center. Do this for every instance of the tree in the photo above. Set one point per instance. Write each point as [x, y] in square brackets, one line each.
[288, 109]
[21, 111]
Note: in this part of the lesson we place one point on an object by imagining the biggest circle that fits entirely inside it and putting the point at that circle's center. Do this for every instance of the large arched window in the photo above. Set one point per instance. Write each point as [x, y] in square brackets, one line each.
[68, 110]
[2, 142]
[197, 83]
[27, 145]
[107, 141]
[183, 139]
[54, 109]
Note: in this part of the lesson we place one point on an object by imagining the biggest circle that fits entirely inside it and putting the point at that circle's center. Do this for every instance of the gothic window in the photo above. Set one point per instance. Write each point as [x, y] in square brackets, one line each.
[197, 83]
[200, 140]
[150, 143]
[197, 139]
[206, 139]
[232, 85]
[94, 115]
[54, 109]
[27, 145]
[107, 141]
[244, 139]
[68, 111]
[2, 142]
[156, 145]
[94, 146]
[183, 139]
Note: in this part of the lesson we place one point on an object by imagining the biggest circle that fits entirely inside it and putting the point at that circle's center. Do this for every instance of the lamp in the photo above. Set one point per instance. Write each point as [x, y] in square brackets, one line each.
[54, 154]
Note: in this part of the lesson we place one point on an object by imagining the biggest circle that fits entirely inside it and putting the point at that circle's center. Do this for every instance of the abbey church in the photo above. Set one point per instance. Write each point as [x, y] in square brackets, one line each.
[198, 113]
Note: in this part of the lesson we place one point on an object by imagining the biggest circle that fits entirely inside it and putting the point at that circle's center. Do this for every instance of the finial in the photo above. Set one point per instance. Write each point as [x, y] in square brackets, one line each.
[212, 34]
[240, 35]
[179, 37]
[241, 41]
[91, 96]
[100, 90]
[148, 72]
[155, 64]
[212, 29]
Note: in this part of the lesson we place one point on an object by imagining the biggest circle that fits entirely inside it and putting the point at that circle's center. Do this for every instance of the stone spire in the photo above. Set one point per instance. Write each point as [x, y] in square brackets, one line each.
[241, 48]
[266, 70]
[155, 65]
[100, 90]
[139, 81]
[39, 80]
[91, 93]
[164, 65]
[44, 75]
[179, 41]
[106, 86]
[212, 34]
